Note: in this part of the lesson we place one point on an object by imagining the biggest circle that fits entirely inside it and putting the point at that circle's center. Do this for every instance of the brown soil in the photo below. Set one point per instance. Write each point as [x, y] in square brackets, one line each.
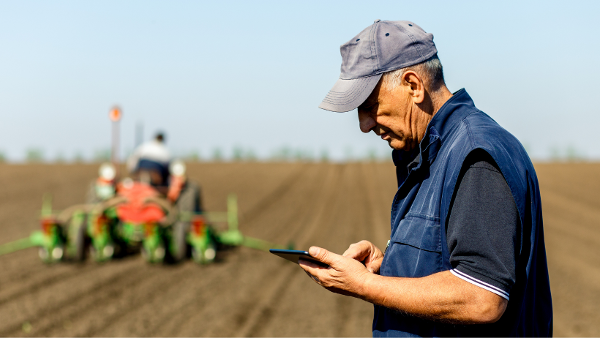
[253, 293]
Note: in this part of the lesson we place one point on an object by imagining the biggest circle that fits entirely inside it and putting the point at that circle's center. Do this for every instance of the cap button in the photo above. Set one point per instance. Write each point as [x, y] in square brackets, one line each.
[376, 21]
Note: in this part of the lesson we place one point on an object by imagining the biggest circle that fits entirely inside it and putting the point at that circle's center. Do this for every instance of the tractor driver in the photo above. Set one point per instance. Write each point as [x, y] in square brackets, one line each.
[149, 162]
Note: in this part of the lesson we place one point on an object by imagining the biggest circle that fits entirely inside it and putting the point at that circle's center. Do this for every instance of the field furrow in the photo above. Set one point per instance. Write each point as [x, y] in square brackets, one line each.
[253, 293]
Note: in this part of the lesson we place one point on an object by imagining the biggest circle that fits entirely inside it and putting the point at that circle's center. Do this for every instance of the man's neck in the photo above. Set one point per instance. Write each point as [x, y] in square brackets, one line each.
[439, 98]
[428, 111]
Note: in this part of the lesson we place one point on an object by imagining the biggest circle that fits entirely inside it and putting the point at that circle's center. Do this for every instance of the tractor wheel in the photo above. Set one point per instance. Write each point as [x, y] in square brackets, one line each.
[190, 199]
[205, 256]
[58, 253]
[44, 254]
[53, 255]
[104, 254]
[155, 256]
[179, 240]
[81, 242]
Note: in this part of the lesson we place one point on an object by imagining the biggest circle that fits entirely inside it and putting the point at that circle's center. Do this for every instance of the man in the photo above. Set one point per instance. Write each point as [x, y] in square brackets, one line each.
[466, 254]
[150, 161]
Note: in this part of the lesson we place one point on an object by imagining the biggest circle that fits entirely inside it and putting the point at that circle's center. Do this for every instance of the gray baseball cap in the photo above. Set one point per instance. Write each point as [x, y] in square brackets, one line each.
[382, 47]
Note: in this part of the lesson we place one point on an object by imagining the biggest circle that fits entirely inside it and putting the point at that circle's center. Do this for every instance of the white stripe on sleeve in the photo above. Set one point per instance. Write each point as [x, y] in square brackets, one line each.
[479, 283]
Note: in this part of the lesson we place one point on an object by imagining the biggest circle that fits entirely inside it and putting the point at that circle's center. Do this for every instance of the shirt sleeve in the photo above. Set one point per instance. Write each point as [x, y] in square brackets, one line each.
[483, 228]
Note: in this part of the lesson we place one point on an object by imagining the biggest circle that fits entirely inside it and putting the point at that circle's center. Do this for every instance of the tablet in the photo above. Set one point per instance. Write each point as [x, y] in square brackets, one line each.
[295, 255]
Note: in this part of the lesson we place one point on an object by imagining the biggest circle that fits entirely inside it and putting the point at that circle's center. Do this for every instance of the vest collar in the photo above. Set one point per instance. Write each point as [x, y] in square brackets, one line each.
[450, 114]
[442, 123]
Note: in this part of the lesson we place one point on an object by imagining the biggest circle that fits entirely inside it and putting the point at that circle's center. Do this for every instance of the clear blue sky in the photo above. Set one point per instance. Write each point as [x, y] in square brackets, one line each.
[252, 73]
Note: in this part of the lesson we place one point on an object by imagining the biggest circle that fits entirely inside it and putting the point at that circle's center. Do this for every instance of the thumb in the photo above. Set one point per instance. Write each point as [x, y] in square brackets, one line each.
[322, 255]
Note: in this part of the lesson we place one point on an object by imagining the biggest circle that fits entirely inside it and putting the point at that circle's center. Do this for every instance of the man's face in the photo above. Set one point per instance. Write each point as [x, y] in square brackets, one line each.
[390, 114]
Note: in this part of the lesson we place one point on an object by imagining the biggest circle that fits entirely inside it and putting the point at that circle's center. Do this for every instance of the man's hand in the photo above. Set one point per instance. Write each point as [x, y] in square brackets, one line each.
[344, 275]
[367, 253]
[440, 296]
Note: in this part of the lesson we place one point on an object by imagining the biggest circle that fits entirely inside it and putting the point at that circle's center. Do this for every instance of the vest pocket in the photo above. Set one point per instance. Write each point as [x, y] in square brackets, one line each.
[415, 248]
[419, 231]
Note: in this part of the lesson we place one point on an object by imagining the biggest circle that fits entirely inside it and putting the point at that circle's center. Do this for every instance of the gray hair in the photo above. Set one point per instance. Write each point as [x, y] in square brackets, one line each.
[431, 72]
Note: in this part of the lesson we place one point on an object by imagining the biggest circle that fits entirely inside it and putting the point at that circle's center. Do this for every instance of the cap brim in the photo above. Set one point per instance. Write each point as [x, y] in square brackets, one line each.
[349, 94]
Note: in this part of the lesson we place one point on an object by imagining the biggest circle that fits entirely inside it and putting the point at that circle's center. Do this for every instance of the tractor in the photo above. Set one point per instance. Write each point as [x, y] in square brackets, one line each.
[165, 223]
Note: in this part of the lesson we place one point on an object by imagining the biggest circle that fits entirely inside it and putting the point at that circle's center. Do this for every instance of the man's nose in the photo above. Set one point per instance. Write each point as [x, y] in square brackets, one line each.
[366, 122]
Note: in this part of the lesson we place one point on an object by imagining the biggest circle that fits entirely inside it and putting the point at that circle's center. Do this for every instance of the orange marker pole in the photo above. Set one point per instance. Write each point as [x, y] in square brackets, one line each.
[115, 115]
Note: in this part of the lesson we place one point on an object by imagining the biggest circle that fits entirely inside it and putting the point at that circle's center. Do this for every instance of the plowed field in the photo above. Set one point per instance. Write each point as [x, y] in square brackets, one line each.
[249, 292]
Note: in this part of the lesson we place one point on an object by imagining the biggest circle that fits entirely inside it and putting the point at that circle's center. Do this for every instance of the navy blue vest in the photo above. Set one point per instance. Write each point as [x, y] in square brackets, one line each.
[420, 210]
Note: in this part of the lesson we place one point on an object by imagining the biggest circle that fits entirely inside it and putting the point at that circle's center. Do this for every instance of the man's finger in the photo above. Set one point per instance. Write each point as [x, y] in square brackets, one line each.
[311, 269]
[313, 277]
[307, 264]
[358, 251]
[322, 255]
[352, 251]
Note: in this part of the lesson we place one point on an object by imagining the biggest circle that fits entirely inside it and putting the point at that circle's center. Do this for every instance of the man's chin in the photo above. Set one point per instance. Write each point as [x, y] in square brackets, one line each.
[396, 145]
[399, 145]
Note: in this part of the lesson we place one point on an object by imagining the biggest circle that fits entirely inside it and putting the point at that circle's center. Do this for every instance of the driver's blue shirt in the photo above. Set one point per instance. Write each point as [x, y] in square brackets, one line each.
[152, 165]
[420, 212]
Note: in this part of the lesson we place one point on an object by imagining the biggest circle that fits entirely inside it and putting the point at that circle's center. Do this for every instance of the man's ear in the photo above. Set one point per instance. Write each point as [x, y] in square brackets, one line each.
[416, 87]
